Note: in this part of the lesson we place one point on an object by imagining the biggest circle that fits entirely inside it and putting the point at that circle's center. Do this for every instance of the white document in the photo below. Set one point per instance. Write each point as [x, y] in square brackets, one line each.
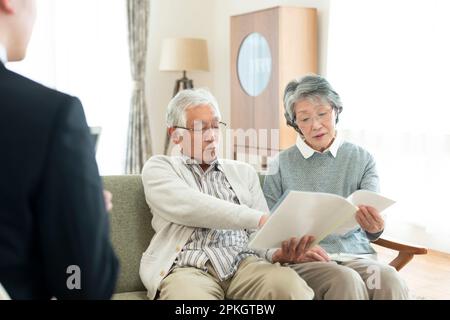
[314, 214]
[3, 294]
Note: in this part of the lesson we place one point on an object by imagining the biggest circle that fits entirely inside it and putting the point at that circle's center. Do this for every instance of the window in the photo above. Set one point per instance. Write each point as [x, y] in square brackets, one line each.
[80, 47]
[389, 60]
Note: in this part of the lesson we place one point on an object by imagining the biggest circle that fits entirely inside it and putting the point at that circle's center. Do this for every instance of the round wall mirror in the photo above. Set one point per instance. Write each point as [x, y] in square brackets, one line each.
[254, 64]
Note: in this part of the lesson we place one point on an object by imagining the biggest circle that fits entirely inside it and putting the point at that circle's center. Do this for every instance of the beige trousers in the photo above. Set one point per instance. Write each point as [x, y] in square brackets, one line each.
[351, 280]
[255, 279]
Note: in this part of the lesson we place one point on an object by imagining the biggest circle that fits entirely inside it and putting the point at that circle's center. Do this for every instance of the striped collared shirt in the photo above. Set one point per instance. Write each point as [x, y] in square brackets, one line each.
[225, 249]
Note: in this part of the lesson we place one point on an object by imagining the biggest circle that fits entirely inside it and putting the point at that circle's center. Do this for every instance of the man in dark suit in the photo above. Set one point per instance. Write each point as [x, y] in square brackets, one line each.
[54, 228]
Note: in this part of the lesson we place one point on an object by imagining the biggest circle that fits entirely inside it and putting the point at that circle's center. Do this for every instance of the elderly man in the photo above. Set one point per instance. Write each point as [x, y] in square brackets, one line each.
[203, 212]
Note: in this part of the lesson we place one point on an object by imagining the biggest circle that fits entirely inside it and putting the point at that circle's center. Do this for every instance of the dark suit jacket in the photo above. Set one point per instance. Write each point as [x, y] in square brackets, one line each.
[52, 212]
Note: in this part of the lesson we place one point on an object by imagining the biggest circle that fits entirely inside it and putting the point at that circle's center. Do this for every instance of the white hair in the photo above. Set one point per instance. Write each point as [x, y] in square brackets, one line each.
[187, 99]
[310, 87]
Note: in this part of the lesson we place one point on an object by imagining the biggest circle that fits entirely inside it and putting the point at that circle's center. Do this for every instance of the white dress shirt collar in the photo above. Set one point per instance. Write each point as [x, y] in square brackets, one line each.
[3, 54]
[307, 151]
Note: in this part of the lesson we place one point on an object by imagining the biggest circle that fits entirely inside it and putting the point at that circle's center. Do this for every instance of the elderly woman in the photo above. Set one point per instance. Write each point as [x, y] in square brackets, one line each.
[322, 162]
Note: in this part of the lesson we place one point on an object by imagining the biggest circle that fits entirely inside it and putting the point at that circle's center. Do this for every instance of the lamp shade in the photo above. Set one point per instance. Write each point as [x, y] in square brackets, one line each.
[184, 54]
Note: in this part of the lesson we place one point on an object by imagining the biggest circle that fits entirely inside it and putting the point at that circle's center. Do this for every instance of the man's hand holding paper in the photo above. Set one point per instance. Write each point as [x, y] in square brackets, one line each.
[297, 250]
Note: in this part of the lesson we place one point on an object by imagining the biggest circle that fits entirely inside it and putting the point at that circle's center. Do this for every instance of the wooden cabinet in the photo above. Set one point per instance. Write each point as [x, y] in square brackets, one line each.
[291, 36]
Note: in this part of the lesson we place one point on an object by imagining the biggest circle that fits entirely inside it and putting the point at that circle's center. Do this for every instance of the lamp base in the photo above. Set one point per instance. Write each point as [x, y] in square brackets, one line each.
[182, 84]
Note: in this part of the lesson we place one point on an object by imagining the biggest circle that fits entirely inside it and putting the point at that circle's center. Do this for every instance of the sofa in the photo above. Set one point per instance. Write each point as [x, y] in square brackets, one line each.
[131, 232]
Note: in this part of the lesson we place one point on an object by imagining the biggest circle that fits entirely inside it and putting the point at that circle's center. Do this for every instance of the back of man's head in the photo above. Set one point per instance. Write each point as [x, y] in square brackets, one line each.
[16, 24]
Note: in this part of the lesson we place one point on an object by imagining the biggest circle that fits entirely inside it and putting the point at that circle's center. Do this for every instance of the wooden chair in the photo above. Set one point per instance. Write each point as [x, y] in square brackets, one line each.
[406, 252]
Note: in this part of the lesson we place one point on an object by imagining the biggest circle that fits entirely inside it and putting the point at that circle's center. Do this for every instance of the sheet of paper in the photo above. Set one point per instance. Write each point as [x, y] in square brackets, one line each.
[369, 198]
[363, 197]
[3, 294]
[303, 213]
[350, 257]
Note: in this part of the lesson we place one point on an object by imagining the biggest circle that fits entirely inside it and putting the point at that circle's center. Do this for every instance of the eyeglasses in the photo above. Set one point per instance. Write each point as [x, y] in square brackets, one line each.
[322, 117]
[216, 126]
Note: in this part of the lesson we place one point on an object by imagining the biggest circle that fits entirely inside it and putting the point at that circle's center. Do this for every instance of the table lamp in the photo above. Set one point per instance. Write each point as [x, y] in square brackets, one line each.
[184, 54]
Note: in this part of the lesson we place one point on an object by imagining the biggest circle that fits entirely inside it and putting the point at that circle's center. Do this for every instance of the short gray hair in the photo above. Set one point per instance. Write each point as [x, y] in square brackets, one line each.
[176, 110]
[310, 87]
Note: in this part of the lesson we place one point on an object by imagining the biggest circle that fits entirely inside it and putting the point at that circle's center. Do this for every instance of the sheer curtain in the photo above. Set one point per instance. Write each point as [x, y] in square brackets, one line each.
[80, 47]
[389, 60]
[139, 147]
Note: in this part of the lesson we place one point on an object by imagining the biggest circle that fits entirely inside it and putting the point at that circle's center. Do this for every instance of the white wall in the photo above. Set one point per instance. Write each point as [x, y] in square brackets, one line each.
[174, 18]
[208, 19]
